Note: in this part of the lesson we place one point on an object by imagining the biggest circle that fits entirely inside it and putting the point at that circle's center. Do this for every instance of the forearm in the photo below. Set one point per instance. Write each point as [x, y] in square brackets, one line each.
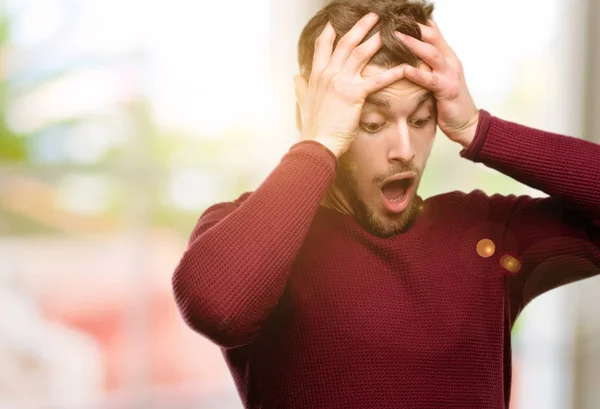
[234, 272]
[556, 239]
[561, 166]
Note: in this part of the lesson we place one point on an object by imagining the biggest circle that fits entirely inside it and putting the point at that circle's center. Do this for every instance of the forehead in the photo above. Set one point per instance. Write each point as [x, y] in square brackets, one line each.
[400, 91]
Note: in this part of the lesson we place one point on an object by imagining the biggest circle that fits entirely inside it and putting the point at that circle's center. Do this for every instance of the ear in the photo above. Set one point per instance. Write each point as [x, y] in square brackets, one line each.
[300, 88]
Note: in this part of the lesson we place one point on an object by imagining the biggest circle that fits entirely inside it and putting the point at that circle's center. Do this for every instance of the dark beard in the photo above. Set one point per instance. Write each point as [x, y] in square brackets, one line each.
[347, 183]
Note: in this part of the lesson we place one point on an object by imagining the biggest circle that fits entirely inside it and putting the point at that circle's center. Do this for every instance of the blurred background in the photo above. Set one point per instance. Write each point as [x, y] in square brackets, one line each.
[122, 120]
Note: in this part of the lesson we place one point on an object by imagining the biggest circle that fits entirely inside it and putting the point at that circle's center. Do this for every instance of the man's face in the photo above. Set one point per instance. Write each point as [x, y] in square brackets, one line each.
[396, 133]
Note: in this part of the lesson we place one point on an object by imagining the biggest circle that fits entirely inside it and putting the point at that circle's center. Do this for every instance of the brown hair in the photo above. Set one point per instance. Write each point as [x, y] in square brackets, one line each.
[394, 15]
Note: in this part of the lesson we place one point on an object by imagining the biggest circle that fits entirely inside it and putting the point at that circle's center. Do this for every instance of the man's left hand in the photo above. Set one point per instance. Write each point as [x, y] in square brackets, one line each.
[457, 114]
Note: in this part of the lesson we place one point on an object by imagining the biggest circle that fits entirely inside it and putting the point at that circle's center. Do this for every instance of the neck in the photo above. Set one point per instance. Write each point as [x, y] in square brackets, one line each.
[334, 200]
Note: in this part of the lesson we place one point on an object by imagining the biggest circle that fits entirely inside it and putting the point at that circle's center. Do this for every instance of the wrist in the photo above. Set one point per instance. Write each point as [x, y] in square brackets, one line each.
[330, 145]
[466, 135]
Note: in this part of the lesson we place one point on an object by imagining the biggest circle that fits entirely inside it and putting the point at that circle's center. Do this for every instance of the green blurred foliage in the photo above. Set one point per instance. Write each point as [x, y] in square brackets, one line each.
[12, 147]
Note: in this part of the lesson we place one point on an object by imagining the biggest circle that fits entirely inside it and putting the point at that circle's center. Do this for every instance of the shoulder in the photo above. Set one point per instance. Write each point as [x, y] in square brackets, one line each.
[225, 206]
[476, 204]
[215, 213]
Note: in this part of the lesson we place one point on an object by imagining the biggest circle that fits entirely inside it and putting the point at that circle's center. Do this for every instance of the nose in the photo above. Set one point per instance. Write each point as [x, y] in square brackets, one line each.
[401, 148]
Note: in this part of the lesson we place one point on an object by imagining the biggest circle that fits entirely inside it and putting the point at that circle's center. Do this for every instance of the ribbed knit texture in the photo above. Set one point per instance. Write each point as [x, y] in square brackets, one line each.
[312, 311]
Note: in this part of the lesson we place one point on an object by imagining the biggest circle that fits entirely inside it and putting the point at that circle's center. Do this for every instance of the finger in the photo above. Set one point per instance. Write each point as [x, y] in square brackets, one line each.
[450, 54]
[428, 80]
[351, 40]
[426, 52]
[362, 54]
[323, 50]
[381, 80]
[433, 36]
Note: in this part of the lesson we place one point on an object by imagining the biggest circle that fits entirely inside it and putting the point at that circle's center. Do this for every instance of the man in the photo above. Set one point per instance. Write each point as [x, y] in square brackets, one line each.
[334, 284]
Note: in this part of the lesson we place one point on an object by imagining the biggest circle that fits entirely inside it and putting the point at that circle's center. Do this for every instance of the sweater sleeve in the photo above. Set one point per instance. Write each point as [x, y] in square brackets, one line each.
[240, 253]
[555, 239]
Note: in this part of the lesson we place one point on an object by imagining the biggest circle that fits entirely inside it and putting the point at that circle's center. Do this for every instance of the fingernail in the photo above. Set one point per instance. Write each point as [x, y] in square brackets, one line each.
[373, 16]
[400, 35]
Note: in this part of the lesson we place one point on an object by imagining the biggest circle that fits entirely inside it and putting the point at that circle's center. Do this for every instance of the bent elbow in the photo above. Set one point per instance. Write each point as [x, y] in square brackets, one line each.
[204, 317]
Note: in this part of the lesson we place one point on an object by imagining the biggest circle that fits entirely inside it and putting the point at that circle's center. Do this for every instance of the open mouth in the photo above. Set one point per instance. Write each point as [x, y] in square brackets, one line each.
[395, 190]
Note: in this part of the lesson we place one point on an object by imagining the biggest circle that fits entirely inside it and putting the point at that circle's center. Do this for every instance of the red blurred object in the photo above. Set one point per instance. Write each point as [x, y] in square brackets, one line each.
[176, 355]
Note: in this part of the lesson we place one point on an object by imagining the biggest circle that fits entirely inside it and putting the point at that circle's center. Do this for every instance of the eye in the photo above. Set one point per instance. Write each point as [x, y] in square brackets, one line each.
[420, 122]
[372, 127]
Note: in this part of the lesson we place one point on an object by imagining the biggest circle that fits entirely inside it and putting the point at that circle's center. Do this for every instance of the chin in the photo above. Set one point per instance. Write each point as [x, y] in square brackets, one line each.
[374, 217]
[377, 220]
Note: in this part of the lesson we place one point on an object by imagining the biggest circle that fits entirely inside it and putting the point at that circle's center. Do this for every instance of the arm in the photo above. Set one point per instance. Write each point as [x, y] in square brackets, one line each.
[557, 238]
[240, 253]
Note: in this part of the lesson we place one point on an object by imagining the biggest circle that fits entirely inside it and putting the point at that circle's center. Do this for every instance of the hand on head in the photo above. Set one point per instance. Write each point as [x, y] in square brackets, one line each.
[457, 114]
[332, 99]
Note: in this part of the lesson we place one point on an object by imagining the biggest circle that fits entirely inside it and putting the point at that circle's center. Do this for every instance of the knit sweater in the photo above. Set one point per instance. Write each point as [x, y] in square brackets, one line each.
[312, 311]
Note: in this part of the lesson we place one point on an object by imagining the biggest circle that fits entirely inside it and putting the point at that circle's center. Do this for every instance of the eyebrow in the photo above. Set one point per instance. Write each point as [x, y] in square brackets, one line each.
[386, 104]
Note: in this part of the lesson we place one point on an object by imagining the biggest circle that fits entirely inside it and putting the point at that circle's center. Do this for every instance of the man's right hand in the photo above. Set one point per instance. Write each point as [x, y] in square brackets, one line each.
[331, 101]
